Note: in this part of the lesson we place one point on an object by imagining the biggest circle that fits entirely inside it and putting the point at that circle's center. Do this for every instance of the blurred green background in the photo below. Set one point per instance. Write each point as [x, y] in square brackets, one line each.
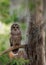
[11, 11]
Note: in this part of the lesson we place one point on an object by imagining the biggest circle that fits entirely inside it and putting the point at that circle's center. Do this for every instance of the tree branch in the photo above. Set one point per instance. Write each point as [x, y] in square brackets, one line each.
[12, 48]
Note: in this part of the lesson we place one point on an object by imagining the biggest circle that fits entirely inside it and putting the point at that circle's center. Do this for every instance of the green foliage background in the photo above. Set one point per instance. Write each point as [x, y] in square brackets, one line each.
[4, 12]
[8, 19]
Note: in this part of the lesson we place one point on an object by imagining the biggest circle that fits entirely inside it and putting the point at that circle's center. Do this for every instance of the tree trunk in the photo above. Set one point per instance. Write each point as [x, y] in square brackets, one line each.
[45, 21]
[36, 36]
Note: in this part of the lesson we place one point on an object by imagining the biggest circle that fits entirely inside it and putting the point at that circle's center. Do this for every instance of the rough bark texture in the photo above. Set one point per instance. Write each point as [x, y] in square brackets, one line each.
[36, 38]
[44, 3]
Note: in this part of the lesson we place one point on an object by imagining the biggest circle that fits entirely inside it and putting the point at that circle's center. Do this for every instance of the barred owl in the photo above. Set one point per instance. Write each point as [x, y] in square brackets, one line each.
[15, 36]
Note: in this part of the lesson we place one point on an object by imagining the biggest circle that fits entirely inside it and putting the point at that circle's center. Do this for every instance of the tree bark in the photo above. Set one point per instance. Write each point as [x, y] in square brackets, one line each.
[36, 36]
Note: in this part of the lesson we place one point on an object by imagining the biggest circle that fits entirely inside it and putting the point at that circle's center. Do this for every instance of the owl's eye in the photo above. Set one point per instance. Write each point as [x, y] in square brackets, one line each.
[17, 27]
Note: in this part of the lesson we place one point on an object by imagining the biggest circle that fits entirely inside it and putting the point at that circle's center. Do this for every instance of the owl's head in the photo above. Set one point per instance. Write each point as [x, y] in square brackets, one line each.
[15, 26]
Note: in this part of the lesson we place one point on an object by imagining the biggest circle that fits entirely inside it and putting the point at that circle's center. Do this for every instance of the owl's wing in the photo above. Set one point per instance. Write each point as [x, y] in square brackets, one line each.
[11, 43]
